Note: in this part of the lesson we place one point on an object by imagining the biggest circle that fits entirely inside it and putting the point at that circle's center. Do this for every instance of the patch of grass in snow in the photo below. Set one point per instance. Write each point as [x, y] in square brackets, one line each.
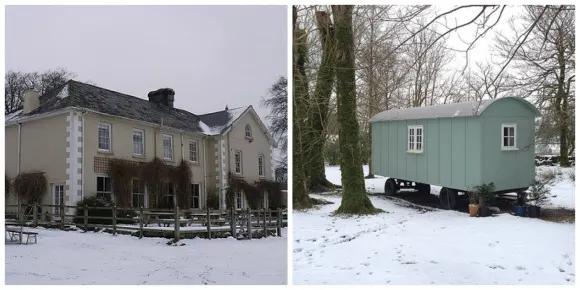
[572, 176]
[320, 201]
[548, 176]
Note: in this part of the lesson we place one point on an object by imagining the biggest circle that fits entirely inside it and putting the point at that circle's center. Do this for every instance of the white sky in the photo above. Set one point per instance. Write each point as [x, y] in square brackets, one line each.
[210, 55]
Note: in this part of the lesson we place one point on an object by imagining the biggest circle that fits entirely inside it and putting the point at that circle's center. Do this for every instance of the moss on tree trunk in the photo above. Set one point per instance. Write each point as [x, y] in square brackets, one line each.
[354, 196]
[300, 198]
[319, 104]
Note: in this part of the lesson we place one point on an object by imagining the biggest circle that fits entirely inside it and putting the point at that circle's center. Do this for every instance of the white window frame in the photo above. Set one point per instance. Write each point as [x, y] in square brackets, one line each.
[248, 131]
[193, 195]
[144, 193]
[59, 201]
[412, 142]
[171, 194]
[515, 136]
[110, 143]
[142, 142]
[171, 147]
[105, 192]
[261, 165]
[239, 199]
[240, 171]
[196, 159]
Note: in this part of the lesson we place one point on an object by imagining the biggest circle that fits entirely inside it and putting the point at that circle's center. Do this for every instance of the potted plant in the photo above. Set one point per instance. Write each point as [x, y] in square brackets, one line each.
[538, 194]
[473, 203]
[485, 193]
[520, 208]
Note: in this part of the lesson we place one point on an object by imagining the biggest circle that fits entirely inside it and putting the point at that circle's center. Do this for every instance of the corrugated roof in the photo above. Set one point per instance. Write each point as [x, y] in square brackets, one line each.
[465, 109]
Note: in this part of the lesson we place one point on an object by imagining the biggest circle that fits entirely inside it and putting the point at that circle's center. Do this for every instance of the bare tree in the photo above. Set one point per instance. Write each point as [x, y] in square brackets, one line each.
[17, 83]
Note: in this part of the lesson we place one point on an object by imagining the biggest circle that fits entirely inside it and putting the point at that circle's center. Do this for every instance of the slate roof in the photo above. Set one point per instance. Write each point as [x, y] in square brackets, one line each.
[77, 94]
[465, 109]
[218, 122]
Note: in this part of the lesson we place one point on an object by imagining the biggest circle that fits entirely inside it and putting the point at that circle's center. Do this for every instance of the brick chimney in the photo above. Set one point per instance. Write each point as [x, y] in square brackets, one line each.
[164, 96]
[31, 101]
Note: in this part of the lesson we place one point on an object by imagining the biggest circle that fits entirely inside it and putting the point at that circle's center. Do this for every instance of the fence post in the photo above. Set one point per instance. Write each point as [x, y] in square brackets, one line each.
[35, 215]
[114, 219]
[140, 222]
[176, 228]
[62, 216]
[86, 218]
[208, 225]
[21, 218]
[264, 222]
[233, 222]
[269, 217]
[279, 223]
[249, 224]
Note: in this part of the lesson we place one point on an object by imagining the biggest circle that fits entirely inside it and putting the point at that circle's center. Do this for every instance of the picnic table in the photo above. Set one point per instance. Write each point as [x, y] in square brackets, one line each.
[17, 235]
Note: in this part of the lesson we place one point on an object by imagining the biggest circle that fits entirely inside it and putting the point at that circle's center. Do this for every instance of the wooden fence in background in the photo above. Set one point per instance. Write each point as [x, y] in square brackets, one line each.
[147, 222]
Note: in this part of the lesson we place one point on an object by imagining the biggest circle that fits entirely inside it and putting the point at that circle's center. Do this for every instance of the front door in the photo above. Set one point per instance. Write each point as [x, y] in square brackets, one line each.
[57, 198]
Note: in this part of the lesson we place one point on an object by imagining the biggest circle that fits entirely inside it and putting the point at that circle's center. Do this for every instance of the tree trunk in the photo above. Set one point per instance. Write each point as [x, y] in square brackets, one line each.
[372, 106]
[354, 196]
[562, 107]
[300, 198]
[320, 100]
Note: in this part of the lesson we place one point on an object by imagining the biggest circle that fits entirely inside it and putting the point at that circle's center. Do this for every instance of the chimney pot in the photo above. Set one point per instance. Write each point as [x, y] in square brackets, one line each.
[31, 101]
[165, 96]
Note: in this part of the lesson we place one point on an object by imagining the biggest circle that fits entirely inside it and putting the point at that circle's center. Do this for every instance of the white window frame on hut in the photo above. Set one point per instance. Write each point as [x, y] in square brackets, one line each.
[414, 139]
[509, 137]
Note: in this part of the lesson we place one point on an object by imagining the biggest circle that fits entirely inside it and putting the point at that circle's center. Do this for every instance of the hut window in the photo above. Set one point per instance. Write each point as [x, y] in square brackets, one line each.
[508, 136]
[415, 140]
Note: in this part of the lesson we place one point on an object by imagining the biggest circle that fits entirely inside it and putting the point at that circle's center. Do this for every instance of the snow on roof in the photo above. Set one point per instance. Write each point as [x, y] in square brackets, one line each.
[209, 130]
[13, 116]
[465, 109]
[218, 122]
[63, 92]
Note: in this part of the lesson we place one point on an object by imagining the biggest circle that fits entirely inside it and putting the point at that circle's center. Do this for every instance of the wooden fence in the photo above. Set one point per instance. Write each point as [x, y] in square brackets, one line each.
[141, 222]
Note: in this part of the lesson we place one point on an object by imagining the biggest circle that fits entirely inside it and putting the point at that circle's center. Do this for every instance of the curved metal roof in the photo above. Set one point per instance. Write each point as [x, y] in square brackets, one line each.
[465, 109]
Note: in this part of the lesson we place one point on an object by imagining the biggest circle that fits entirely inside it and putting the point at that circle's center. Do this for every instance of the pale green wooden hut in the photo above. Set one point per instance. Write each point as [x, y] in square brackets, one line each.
[456, 146]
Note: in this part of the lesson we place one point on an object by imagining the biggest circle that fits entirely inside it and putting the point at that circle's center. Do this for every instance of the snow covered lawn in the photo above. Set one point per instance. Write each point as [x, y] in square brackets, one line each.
[414, 246]
[410, 244]
[562, 190]
[99, 258]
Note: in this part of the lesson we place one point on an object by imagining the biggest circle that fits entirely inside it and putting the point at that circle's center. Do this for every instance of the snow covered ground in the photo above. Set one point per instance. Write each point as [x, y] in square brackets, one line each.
[417, 245]
[562, 190]
[99, 258]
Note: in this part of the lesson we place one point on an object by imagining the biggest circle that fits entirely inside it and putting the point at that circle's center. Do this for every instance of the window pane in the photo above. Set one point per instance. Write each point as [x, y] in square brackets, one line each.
[100, 184]
[512, 141]
[505, 141]
[512, 131]
[107, 184]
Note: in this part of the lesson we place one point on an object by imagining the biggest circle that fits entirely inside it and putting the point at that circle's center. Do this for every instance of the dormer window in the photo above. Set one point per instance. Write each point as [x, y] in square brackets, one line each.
[248, 132]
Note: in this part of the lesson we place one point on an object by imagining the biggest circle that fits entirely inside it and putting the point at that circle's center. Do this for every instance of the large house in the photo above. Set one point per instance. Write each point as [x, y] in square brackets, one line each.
[72, 133]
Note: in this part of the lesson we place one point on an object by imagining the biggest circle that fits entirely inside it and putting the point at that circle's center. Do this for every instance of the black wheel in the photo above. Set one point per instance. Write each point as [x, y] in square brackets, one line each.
[423, 188]
[448, 198]
[390, 187]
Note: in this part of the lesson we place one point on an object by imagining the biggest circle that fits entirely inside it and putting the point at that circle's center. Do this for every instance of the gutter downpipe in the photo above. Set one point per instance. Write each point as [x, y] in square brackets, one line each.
[19, 149]
[83, 155]
[204, 169]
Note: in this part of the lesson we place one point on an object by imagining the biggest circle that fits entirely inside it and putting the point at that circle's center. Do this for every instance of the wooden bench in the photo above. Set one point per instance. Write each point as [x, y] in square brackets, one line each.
[14, 235]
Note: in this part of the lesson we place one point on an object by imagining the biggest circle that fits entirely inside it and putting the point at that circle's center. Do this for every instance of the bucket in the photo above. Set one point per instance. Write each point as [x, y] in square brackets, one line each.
[520, 210]
[473, 209]
[534, 211]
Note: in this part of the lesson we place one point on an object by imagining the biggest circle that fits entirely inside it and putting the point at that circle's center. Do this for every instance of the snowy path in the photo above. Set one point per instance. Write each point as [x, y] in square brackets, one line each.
[410, 246]
[98, 258]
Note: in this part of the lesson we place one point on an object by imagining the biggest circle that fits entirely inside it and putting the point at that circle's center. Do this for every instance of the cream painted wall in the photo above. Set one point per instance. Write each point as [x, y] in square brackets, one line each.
[122, 147]
[43, 148]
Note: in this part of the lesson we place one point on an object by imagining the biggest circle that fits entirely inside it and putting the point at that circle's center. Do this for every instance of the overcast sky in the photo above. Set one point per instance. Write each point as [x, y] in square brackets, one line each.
[210, 55]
